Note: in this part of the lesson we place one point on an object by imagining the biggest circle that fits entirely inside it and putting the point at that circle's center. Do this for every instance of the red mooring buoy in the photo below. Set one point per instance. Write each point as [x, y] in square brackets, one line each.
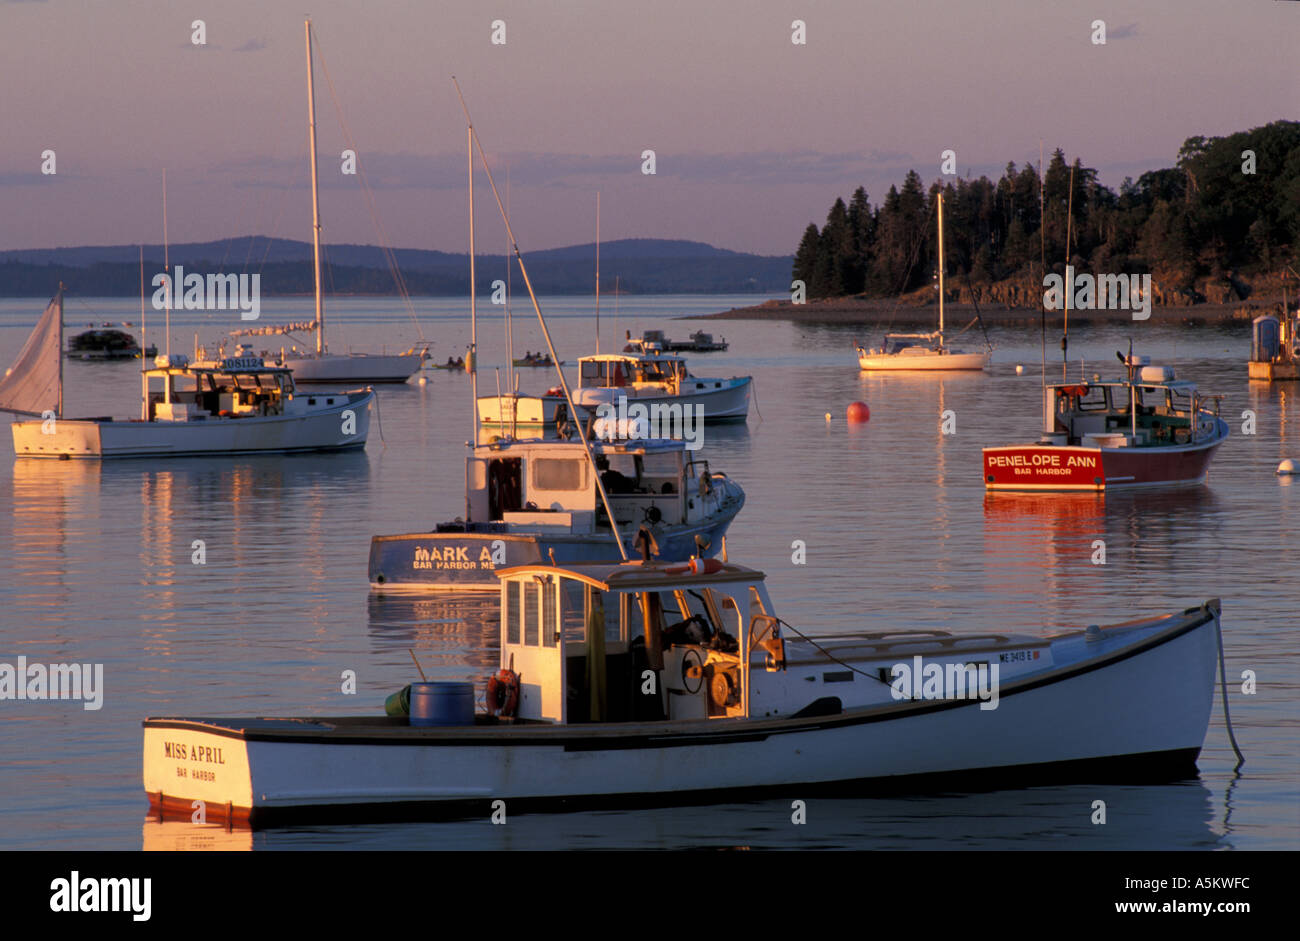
[858, 412]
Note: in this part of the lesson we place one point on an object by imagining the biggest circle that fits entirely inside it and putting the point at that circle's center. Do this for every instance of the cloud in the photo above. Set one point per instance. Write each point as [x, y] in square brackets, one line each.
[253, 45]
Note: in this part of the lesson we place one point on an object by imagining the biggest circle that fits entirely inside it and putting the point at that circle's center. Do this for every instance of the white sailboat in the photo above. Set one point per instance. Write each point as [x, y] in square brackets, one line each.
[236, 405]
[921, 351]
[322, 365]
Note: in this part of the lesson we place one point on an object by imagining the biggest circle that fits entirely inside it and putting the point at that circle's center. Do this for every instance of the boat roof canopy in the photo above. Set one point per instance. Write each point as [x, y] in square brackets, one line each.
[649, 357]
[636, 575]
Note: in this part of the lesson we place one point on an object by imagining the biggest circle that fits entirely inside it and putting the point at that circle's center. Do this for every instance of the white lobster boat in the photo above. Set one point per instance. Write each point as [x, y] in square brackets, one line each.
[235, 405]
[651, 684]
[657, 386]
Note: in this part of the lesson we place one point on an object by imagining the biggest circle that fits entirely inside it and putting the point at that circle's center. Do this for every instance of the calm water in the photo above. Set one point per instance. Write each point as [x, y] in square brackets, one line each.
[899, 534]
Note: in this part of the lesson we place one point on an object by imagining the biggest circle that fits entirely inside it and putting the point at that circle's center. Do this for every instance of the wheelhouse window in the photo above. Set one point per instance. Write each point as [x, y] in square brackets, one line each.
[513, 595]
[531, 592]
[559, 474]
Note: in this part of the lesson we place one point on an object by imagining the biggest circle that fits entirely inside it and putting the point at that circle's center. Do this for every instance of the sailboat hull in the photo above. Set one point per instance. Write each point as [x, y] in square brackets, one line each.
[320, 429]
[924, 360]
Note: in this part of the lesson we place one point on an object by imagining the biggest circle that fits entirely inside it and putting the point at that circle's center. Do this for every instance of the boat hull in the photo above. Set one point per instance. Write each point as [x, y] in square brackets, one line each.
[322, 429]
[355, 367]
[460, 560]
[1073, 467]
[721, 400]
[1137, 706]
[925, 362]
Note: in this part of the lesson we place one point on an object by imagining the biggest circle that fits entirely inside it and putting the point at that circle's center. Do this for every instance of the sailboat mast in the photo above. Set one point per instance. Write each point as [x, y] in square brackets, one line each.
[171, 288]
[941, 268]
[598, 272]
[315, 198]
[1069, 288]
[60, 351]
[470, 360]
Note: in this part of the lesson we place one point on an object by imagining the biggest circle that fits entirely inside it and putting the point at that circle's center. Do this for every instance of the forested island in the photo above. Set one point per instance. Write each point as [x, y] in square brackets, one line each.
[1218, 227]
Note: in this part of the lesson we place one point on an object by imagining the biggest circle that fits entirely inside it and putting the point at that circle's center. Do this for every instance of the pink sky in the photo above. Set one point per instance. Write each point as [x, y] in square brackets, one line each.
[754, 136]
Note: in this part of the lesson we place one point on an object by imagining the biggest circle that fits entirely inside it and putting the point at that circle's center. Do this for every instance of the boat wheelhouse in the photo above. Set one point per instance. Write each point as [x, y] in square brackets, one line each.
[1275, 348]
[1150, 429]
[648, 683]
[530, 501]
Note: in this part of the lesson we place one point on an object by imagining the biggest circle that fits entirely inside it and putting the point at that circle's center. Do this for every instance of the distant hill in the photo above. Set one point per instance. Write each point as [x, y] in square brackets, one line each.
[642, 266]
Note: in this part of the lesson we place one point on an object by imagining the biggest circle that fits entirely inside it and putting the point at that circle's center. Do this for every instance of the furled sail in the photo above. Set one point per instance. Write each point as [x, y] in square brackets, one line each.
[31, 386]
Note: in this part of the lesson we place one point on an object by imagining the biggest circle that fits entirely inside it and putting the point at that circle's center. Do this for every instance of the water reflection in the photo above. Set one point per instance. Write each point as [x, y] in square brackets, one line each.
[1151, 817]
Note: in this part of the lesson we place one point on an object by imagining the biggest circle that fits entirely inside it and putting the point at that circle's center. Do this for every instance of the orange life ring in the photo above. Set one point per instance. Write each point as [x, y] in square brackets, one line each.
[503, 693]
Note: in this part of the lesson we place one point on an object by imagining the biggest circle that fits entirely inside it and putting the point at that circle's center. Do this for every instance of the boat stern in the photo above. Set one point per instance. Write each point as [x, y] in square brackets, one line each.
[1043, 467]
[56, 438]
[198, 770]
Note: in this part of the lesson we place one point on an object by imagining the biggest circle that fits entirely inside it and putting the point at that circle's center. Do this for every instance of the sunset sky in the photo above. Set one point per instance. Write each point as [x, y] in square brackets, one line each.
[754, 136]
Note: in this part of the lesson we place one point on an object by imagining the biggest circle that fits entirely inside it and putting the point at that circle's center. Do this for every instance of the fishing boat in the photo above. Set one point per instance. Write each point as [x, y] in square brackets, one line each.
[231, 406]
[1146, 430]
[646, 683]
[701, 342]
[654, 341]
[651, 341]
[922, 351]
[322, 366]
[105, 344]
[656, 382]
[531, 500]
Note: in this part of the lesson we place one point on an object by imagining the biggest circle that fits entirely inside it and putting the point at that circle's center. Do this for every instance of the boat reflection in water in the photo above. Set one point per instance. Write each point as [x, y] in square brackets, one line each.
[454, 634]
[1180, 815]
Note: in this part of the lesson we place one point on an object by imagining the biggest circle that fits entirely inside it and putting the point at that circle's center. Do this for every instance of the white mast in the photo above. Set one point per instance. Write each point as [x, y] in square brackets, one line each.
[171, 288]
[60, 350]
[940, 268]
[470, 363]
[597, 272]
[315, 199]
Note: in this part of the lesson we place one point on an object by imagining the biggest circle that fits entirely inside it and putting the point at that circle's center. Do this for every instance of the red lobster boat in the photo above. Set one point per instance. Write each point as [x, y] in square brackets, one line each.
[1093, 438]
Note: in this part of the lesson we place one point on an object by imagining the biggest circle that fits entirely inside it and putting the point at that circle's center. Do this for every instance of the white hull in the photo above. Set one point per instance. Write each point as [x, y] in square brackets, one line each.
[925, 360]
[1140, 697]
[722, 400]
[320, 427]
[354, 367]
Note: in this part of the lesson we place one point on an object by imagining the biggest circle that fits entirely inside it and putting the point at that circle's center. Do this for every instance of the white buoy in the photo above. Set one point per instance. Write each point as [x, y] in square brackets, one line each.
[424, 380]
[1287, 467]
[828, 416]
[1020, 370]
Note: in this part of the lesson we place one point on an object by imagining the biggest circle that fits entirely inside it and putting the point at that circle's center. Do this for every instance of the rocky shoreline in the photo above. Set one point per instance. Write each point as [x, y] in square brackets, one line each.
[890, 314]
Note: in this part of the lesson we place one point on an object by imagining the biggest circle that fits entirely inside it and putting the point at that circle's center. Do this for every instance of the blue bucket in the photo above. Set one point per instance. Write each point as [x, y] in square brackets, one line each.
[442, 704]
